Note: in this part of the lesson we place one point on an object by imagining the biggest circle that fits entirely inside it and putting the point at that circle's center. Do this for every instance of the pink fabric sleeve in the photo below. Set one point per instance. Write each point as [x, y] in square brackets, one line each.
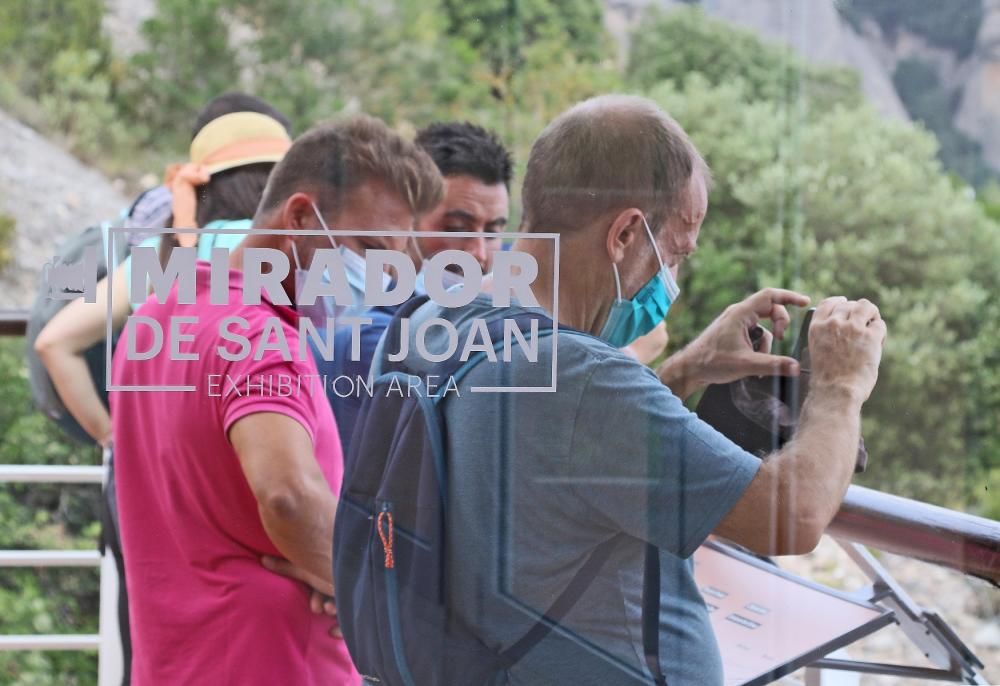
[297, 405]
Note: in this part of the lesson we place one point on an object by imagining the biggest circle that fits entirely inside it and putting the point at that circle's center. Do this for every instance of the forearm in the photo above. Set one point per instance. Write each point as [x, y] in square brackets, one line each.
[815, 468]
[72, 380]
[300, 524]
[677, 373]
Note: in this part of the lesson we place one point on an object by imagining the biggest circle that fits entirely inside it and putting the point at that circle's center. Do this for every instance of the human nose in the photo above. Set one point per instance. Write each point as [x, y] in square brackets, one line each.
[477, 248]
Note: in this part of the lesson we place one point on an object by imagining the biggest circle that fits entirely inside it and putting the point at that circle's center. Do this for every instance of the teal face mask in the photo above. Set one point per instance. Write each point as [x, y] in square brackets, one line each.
[630, 319]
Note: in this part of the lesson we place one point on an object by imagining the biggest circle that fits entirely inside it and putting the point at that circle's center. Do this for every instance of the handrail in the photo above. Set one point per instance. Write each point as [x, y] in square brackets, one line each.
[50, 558]
[15, 642]
[13, 322]
[59, 474]
[926, 532]
[888, 522]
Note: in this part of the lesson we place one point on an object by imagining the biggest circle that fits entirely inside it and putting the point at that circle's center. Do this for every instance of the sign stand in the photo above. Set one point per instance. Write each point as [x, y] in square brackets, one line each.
[926, 629]
[770, 623]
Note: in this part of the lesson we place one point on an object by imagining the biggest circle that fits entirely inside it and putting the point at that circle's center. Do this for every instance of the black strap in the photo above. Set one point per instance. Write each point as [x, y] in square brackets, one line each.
[392, 332]
[563, 604]
[651, 613]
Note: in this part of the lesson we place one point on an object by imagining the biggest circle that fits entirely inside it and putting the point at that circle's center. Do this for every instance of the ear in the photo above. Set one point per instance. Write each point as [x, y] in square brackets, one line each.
[625, 229]
[297, 212]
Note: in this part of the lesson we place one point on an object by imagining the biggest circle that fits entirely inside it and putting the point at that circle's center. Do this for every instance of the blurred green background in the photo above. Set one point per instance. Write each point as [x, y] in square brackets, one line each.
[814, 191]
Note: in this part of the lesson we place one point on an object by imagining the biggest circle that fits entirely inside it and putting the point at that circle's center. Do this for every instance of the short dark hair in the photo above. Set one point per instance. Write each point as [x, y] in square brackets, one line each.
[333, 159]
[234, 101]
[232, 193]
[464, 148]
[604, 155]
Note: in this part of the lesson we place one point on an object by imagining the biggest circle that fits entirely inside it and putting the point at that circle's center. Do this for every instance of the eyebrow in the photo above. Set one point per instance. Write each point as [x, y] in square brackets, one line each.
[460, 214]
[468, 216]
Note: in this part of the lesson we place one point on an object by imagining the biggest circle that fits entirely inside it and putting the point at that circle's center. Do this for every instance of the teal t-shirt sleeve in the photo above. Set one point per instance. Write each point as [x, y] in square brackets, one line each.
[229, 241]
[205, 244]
[151, 242]
[646, 465]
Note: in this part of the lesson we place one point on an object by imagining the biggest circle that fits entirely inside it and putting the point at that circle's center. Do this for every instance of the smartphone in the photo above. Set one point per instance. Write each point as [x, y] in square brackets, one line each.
[801, 350]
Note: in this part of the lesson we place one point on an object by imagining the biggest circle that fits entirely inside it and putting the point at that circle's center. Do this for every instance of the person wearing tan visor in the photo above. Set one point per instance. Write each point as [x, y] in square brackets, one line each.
[237, 139]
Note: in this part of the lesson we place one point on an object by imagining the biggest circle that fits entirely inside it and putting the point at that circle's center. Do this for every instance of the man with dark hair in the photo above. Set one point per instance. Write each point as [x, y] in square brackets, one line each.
[477, 171]
[608, 485]
[246, 466]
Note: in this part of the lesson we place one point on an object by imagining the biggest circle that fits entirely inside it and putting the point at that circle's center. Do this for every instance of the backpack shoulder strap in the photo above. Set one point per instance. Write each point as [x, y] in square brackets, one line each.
[651, 614]
[391, 339]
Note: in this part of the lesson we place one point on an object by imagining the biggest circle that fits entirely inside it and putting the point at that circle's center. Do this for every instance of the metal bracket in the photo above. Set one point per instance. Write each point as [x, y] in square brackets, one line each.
[926, 629]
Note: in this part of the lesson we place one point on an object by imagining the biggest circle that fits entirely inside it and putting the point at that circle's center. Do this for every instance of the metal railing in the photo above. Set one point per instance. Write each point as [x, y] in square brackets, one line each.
[109, 660]
[14, 323]
[957, 540]
[887, 522]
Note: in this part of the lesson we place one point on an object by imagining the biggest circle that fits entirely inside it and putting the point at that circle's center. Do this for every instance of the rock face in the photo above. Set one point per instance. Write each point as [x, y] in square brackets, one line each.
[979, 112]
[51, 195]
[123, 22]
[814, 29]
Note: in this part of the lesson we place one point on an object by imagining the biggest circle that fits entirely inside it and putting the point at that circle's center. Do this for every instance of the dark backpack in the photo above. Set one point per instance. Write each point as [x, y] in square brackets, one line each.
[391, 572]
[78, 255]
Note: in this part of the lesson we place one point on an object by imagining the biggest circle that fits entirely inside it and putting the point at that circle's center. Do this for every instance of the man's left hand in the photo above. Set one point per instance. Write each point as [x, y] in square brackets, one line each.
[320, 602]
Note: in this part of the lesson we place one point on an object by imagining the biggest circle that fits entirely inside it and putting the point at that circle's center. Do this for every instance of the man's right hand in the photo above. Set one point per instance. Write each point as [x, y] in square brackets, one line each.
[724, 351]
[845, 346]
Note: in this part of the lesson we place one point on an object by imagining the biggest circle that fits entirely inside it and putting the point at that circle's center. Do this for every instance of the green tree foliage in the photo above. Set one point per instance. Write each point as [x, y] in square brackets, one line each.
[79, 105]
[188, 60]
[32, 32]
[672, 45]
[500, 30]
[812, 191]
[8, 226]
[43, 517]
[859, 206]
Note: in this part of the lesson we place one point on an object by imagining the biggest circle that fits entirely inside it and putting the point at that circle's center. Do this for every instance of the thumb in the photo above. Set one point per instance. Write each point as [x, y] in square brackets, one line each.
[764, 364]
[280, 566]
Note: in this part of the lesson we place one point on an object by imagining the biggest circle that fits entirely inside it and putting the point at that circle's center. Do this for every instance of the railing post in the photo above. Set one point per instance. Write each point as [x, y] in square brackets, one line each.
[110, 664]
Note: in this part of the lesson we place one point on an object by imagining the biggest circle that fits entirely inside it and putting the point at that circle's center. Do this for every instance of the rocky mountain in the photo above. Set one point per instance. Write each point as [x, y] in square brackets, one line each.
[50, 195]
[979, 111]
[814, 29]
[920, 62]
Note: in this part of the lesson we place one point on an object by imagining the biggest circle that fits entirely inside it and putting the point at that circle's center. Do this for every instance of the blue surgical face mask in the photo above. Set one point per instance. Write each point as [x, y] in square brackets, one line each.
[449, 279]
[324, 307]
[630, 319]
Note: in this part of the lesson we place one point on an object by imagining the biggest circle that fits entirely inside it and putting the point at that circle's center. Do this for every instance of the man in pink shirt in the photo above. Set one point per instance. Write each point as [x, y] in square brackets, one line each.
[246, 466]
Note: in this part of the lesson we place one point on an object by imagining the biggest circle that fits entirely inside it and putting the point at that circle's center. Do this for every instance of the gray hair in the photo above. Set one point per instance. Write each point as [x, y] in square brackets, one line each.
[604, 155]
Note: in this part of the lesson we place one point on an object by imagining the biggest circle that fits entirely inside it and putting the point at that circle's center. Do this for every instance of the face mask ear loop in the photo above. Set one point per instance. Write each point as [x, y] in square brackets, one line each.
[618, 282]
[416, 247]
[326, 228]
[656, 248]
[295, 255]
